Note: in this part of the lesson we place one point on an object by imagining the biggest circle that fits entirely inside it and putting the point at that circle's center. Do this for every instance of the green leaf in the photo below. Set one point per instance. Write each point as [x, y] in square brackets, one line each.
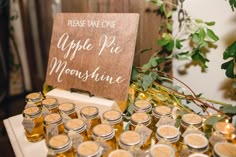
[153, 75]
[169, 14]
[178, 44]
[147, 82]
[169, 26]
[228, 109]
[134, 74]
[212, 35]
[213, 119]
[199, 20]
[170, 45]
[163, 9]
[211, 23]
[162, 42]
[184, 56]
[199, 57]
[229, 67]
[232, 4]
[230, 51]
[202, 34]
[153, 61]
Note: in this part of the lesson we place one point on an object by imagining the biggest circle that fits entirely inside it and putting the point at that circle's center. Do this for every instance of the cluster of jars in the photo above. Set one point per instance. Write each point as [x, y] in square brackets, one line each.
[150, 132]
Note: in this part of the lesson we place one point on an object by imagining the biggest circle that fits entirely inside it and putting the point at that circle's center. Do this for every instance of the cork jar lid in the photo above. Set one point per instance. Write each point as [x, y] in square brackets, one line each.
[104, 131]
[162, 150]
[112, 115]
[225, 149]
[224, 128]
[198, 155]
[167, 131]
[66, 107]
[52, 118]
[162, 110]
[196, 141]
[130, 138]
[142, 105]
[50, 102]
[75, 124]
[89, 112]
[120, 153]
[33, 96]
[88, 148]
[191, 119]
[140, 118]
[32, 112]
[60, 143]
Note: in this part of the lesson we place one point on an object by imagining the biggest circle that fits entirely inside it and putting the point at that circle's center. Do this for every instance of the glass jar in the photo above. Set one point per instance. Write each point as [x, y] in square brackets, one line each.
[196, 143]
[225, 129]
[77, 125]
[68, 109]
[50, 104]
[89, 149]
[224, 149]
[142, 106]
[129, 140]
[198, 155]
[105, 135]
[190, 119]
[162, 150]
[35, 98]
[61, 146]
[91, 114]
[114, 118]
[120, 153]
[53, 125]
[160, 111]
[33, 124]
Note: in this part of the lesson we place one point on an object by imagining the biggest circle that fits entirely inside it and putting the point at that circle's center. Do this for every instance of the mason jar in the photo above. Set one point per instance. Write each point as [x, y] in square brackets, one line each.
[114, 118]
[91, 115]
[50, 104]
[68, 109]
[130, 139]
[105, 135]
[120, 153]
[162, 150]
[35, 97]
[61, 146]
[53, 125]
[160, 111]
[77, 125]
[89, 149]
[224, 149]
[225, 129]
[190, 119]
[33, 124]
[198, 155]
[142, 106]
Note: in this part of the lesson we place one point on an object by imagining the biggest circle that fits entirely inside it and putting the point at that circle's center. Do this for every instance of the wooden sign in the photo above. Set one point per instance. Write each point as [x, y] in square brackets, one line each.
[93, 52]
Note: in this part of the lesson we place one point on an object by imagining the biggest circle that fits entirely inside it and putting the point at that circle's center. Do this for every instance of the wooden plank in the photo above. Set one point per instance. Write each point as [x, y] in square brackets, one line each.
[74, 6]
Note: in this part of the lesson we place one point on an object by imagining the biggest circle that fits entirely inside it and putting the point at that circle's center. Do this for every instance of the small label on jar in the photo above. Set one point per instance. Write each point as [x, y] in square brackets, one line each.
[76, 138]
[165, 121]
[30, 104]
[52, 130]
[65, 117]
[215, 138]
[138, 152]
[45, 111]
[144, 131]
[28, 124]
[104, 145]
[192, 130]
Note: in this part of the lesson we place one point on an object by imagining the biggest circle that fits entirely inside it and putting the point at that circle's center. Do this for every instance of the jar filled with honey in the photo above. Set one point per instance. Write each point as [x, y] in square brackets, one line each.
[190, 119]
[104, 134]
[78, 126]
[130, 140]
[91, 115]
[162, 150]
[160, 111]
[68, 109]
[225, 129]
[196, 143]
[198, 155]
[50, 104]
[224, 149]
[35, 98]
[33, 124]
[61, 146]
[89, 149]
[120, 153]
[114, 118]
[142, 106]
[53, 125]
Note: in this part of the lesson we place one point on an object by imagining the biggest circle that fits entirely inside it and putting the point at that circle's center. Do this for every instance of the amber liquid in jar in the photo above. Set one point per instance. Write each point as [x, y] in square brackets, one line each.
[61, 145]
[120, 153]
[142, 118]
[106, 133]
[114, 118]
[77, 125]
[91, 114]
[142, 106]
[190, 119]
[34, 116]
[162, 150]
[35, 98]
[69, 109]
[89, 149]
[53, 120]
[160, 111]
[224, 149]
[51, 104]
[225, 129]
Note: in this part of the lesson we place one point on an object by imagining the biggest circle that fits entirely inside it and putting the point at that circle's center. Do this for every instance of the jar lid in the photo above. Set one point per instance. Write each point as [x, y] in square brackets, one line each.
[32, 112]
[50, 103]
[120, 153]
[89, 112]
[140, 118]
[104, 131]
[142, 105]
[130, 138]
[34, 97]
[88, 148]
[191, 119]
[225, 149]
[196, 141]
[53, 118]
[112, 116]
[162, 111]
[168, 132]
[60, 143]
[198, 155]
[224, 128]
[162, 150]
[67, 107]
[77, 125]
